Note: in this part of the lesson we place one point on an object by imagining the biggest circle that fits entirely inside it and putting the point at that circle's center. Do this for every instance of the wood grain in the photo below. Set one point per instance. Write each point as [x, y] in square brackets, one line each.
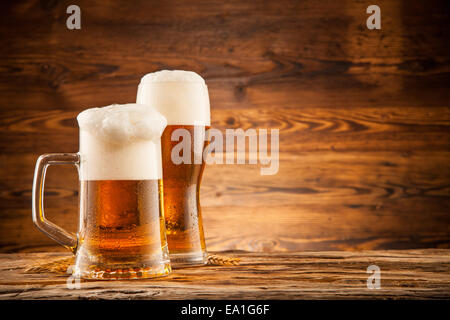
[405, 274]
[363, 115]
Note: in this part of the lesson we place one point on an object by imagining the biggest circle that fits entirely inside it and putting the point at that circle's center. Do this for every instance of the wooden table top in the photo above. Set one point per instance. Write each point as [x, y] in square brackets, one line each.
[405, 274]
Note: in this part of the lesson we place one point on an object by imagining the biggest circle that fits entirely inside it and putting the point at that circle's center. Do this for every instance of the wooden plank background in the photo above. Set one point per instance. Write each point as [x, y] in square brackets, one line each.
[405, 274]
[363, 114]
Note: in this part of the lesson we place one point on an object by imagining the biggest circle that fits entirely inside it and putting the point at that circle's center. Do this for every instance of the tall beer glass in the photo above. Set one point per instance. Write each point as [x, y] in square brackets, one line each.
[182, 97]
[121, 227]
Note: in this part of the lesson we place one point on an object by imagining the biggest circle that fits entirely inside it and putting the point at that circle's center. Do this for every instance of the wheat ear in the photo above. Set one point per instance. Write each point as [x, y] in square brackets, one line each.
[216, 260]
[56, 266]
[61, 265]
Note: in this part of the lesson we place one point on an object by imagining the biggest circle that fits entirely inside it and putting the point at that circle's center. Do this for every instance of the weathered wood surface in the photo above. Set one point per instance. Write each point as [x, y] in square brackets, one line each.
[405, 274]
[363, 114]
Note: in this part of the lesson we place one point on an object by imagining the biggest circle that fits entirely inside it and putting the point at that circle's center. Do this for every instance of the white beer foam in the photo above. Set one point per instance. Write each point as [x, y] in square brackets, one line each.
[120, 124]
[121, 142]
[172, 76]
[181, 96]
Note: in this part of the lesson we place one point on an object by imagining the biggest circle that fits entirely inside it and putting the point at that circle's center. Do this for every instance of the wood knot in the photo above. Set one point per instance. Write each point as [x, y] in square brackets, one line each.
[230, 121]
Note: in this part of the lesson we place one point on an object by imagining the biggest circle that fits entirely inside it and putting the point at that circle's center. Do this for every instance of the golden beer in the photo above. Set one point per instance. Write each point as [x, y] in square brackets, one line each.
[121, 230]
[122, 225]
[182, 97]
[182, 209]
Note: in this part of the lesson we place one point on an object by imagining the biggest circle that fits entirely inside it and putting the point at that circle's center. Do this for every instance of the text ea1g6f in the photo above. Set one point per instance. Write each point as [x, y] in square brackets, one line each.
[230, 309]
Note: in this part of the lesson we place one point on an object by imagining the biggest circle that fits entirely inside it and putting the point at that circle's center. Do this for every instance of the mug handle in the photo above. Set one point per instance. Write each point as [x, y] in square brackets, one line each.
[67, 239]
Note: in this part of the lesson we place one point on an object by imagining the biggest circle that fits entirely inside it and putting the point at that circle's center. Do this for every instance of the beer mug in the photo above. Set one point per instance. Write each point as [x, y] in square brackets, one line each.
[121, 232]
[182, 97]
